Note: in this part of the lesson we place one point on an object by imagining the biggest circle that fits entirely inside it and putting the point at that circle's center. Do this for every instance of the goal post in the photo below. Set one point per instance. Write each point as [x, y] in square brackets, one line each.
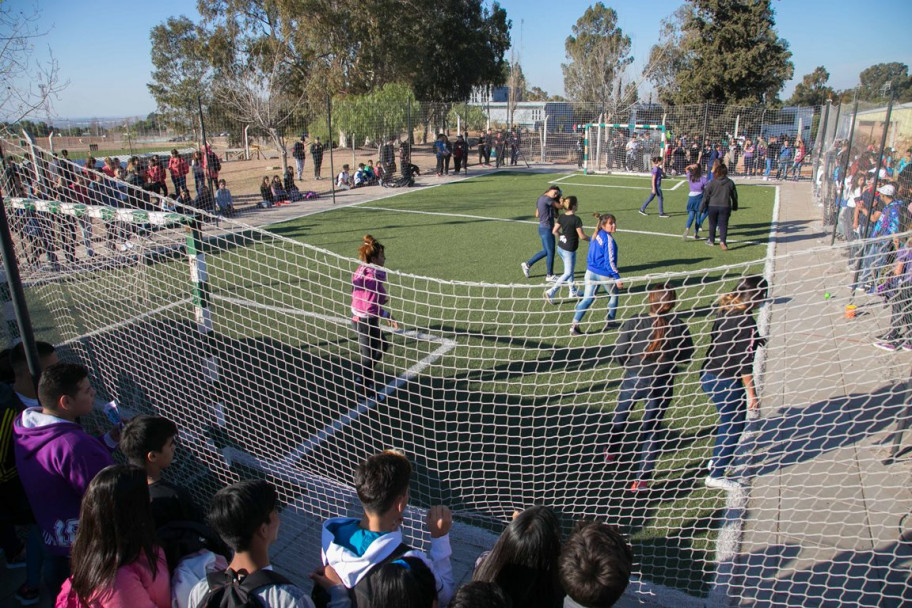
[605, 146]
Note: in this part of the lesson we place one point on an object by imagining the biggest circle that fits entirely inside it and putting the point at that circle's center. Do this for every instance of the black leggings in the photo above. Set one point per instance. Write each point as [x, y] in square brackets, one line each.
[371, 345]
[718, 216]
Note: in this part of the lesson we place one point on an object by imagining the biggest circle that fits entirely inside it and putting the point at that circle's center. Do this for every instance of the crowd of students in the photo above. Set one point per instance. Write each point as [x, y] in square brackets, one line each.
[120, 535]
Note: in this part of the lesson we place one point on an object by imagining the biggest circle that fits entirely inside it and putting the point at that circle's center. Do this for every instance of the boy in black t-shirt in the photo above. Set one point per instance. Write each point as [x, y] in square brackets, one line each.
[150, 442]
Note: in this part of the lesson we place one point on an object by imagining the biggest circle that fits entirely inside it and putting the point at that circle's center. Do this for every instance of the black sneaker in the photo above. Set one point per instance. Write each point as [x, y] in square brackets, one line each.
[610, 325]
[641, 212]
[574, 330]
[28, 596]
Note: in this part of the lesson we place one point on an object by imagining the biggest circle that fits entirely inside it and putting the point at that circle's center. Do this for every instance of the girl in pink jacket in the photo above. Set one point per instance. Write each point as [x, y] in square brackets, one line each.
[368, 299]
[116, 563]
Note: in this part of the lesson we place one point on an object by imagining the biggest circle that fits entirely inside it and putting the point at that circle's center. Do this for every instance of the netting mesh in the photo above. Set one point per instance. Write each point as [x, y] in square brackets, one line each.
[244, 339]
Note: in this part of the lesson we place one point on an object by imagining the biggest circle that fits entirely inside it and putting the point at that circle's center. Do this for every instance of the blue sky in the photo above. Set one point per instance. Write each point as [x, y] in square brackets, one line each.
[103, 49]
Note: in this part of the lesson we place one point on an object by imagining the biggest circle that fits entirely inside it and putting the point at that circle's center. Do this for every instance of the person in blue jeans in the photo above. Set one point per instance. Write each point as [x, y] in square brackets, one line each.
[601, 271]
[651, 349]
[727, 375]
[545, 210]
[570, 227]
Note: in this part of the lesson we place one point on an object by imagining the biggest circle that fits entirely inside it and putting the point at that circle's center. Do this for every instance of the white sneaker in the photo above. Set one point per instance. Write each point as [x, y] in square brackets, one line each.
[551, 278]
[722, 483]
[753, 414]
[129, 245]
[122, 247]
[525, 269]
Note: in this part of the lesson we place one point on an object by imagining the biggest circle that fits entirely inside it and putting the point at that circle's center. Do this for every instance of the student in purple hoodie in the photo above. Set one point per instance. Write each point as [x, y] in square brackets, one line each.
[57, 459]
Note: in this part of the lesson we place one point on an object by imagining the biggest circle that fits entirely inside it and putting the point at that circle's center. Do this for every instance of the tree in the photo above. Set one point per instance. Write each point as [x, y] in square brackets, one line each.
[813, 89]
[874, 80]
[374, 116]
[598, 52]
[27, 85]
[725, 51]
[470, 118]
[181, 72]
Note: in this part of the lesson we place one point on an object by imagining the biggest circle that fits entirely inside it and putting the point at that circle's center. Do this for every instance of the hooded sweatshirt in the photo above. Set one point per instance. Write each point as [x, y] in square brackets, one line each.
[353, 555]
[56, 461]
[603, 255]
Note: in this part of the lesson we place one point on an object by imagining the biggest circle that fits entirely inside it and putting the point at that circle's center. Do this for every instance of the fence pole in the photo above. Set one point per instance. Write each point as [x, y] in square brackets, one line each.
[14, 285]
[329, 127]
[845, 164]
[705, 121]
[883, 143]
[821, 136]
[199, 101]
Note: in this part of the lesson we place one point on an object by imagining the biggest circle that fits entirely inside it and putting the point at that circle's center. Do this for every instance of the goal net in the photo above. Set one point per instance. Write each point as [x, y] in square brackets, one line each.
[243, 337]
[606, 148]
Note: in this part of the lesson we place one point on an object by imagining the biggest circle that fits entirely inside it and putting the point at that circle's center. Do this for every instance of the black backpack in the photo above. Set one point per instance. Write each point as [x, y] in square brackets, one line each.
[230, 589]
[360, 594]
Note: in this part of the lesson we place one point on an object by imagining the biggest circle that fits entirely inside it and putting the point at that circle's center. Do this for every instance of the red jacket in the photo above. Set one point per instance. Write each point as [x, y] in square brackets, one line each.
[178, 166]
[155, 174]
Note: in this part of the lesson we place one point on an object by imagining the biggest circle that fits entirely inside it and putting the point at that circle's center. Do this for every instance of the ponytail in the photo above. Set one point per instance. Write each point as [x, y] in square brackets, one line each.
[370, 248]
[662, 300]
[568, 203]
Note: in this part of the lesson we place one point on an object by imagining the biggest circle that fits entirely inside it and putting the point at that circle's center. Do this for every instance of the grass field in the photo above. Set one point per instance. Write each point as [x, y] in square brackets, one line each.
[498, 406]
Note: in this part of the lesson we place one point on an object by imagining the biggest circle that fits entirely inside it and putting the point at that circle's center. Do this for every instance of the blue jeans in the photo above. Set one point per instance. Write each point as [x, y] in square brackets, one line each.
[730, 399]
[547, 251]
[657, 193]
[569, 260]
[693, 211]
[769, 166]
[594, 282]
[299, 165]
[657, 391]
[873, 260]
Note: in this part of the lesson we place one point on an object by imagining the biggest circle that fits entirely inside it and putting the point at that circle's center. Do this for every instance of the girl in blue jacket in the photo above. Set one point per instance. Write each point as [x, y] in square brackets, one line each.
[601, 271]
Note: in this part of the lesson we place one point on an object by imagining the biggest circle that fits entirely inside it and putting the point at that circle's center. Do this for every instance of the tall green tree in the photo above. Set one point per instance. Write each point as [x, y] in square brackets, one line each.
[598, 51]
[728, 52]
[875, 78]
[181, 71]
[813, 89]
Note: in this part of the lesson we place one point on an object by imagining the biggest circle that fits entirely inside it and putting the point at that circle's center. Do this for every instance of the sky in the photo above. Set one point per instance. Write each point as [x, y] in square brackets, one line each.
[104, 51]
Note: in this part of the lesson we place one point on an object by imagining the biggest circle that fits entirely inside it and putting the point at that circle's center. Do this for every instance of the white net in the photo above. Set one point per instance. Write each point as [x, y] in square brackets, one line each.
[244, 339]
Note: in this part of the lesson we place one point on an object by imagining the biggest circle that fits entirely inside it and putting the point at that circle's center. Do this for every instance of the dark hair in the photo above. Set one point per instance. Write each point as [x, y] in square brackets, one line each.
[602, 218]
[746, 296]
[720, 171]
[595, 564]
[58, 380]
[18, 360]
[662, 300]
[478, 594]
[404, 583]
[115, 529]
[381, 479]
[238, 510]
[144, 434]
[524, 559]
[369, 248]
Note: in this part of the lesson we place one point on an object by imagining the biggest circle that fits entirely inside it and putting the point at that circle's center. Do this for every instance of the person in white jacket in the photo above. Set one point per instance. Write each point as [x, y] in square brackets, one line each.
[354, 547]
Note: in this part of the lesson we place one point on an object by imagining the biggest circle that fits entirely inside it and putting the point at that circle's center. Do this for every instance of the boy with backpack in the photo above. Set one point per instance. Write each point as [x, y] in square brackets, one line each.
[246, 516]
[356, 547]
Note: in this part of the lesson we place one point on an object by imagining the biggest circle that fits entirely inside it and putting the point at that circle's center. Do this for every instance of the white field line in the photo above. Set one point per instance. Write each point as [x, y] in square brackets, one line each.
[560, 179]
[728, 542]
[678, 185]
[483, 218]
[293, 458]
[121, 324]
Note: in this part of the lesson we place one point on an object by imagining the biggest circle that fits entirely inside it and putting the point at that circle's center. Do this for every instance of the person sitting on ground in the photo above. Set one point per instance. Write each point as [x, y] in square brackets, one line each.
[355, 546]
[56, 457]
[371, 172]
[204, 200]
[361, 177]
[477, 594]
[595, 566]
[278, 192]
[223, 200]
[266, 194]
[246, 516]
[524, 560]
[344, 181]
[288, 184]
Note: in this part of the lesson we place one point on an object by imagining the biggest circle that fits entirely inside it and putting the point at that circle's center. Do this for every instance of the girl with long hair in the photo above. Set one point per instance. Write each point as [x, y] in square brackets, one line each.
[570, 228]
[727, 376]
[368, 301]
[651, 348]
[524, 560]
[697, 183]
[601, 272]
[115, 559]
